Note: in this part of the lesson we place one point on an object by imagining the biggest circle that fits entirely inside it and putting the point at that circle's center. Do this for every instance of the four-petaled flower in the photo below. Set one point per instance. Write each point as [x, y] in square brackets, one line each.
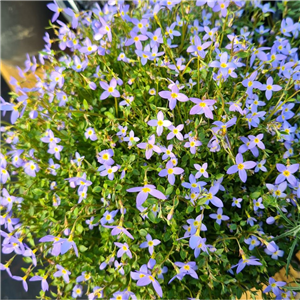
[252, 242]
[258, 204]
[109, 89]
[219, 216]
[145, 279]
[124, 248]
[150, 243]
[202, 107]
[62, 272]
[201, 170]
[273, 286]
[170, 171]
[244, 261]
[241, 166]
[131, 138]
[160, 123]
[149, 146]
[270, 87]
[223, 64]
[144, 192]
[175, 131]
[173, 96]
[90, 134]
[286, 173]
[185, 269]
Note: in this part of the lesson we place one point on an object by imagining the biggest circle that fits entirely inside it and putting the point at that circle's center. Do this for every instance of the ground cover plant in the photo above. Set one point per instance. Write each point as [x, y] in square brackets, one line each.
[158, 155]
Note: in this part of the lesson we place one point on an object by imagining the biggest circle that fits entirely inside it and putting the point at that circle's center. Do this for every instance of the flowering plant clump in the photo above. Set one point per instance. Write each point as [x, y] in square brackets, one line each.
[158, 154]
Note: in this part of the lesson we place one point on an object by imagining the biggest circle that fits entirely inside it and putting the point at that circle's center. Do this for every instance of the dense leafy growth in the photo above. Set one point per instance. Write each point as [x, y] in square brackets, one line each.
[158, 155]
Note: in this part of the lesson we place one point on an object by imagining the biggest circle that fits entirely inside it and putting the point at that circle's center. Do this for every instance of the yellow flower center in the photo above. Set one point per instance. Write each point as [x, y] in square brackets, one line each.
[150, 243]
[192, 144]
[240, 166]
[250, 83]
[124, 248]
[286, 173]
[170, 171]
[209, 196]
[174, 95]
[110, 89]
[223, 65]
[175, 131]
[155, 38]
[194, 185]
[136, 38]
[146, 190]
[160, 123]
[202, 104]
[269, 87]
[199, 48]
[256, 140]
[108, 217]
[186, 267]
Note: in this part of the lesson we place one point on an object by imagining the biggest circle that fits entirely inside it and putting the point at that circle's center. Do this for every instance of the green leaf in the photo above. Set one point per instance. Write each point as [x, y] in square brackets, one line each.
[189, 209]
[290, 256]
[136, 172]
[97, 189]
[143, 232]
[79, 228]
[166, 236]
[169, 190]
[152, 218]
[255, 194]
[82, 248]
[109, 115]
[182, 254]
[85, 105]
[159, 258]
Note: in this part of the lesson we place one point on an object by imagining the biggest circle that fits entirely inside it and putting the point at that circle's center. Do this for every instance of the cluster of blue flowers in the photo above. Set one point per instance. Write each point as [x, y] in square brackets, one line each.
[174, 101]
